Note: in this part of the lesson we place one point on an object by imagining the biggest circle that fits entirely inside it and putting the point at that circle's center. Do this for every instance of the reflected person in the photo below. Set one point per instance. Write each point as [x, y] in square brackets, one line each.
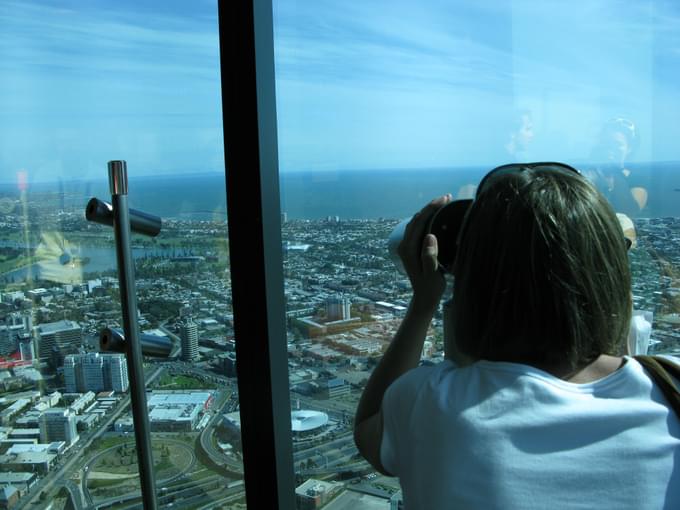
[625, 188]
[520, 137]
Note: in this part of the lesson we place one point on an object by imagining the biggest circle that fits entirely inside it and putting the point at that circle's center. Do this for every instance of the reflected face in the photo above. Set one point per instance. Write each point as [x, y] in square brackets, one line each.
[619, 148]
[525, 134]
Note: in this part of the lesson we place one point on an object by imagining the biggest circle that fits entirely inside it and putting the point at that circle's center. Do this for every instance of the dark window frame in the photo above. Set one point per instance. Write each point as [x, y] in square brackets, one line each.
[255, 250]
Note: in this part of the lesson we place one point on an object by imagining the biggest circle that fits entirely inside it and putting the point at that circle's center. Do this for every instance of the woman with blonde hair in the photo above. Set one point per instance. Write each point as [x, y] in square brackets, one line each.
[544, 411]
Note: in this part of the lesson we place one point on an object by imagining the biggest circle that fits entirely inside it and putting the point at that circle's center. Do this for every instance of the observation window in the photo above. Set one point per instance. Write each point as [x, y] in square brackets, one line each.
[383, 106]
[85, 83]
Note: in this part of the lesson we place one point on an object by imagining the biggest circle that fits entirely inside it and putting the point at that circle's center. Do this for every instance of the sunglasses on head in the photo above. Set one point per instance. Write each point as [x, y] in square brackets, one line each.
[447, 221]
[516, 168]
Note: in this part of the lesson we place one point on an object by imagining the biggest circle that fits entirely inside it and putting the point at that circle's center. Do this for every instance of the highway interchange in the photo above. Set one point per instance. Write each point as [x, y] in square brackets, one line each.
[200, 488]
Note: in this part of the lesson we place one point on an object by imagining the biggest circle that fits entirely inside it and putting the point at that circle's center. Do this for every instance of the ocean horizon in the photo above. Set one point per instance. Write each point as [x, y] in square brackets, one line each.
[347, 194]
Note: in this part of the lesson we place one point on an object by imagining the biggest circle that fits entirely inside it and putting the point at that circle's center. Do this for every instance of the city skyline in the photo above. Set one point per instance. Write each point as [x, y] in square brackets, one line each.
[378, 102]
[344, 300]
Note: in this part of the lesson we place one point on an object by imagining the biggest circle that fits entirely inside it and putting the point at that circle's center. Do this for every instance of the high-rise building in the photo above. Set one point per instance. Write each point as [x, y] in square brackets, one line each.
[185, 311]
[93, 284]
[11, 297]
[116, 372]
[95, 372]
[26, 347]
[189, 340]
[338, 308]
[92, 370]
[19, 319]
[7, 340]
[56, 358]
[14, 326]
[229, 364]
[58, 424]
[65, 335]
[334, 388]
[71, 378]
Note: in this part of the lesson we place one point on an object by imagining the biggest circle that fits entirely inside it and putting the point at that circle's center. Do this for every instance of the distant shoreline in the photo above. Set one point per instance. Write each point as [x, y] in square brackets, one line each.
[22, 266]
[318, 172]
[317, 194]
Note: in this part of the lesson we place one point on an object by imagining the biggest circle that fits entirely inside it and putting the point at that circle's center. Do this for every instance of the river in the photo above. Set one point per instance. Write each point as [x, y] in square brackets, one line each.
[100, 259]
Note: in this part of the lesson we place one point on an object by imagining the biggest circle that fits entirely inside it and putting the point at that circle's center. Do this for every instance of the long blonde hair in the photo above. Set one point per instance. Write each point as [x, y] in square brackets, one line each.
[542, 274]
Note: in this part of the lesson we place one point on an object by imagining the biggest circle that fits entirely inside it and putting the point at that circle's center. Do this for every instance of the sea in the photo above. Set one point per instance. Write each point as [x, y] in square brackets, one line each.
[346, 194]
[342, 194]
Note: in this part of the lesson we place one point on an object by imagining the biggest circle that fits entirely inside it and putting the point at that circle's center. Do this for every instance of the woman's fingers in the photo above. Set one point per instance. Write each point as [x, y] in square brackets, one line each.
[429, 254]
[439, 201]
[422, 218]
[411, 247]
[418, 251]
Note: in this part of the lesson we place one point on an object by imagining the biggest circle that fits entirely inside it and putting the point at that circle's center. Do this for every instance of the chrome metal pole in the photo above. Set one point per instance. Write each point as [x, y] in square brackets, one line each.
[128, 300]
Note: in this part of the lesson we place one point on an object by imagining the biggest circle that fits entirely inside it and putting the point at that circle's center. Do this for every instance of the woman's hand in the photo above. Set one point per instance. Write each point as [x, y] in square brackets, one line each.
[418, 253]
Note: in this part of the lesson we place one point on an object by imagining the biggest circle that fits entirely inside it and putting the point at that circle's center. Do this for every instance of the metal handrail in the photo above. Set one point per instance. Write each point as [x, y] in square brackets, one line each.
[118, 215]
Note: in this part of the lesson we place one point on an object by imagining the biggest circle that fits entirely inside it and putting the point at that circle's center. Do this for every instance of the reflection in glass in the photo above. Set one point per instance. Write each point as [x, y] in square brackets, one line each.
[84, 84]
[382, 108]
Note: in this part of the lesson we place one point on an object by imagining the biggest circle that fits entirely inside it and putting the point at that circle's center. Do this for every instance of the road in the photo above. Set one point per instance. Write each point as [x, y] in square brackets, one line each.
[326, 456]
[206, 443]
[176, 346]
[76, 496]
[103, 503]
[207, 493]
[47, 483]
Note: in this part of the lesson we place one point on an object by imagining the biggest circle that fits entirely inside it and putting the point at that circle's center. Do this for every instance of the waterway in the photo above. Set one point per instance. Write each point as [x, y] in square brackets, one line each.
[101, 259]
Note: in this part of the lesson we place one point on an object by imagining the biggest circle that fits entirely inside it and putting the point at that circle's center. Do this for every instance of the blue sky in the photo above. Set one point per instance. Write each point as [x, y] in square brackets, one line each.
[389, 84]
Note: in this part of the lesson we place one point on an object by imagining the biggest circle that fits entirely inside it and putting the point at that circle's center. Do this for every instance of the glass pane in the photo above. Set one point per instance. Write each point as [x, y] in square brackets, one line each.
[84, 83]
[383, 106]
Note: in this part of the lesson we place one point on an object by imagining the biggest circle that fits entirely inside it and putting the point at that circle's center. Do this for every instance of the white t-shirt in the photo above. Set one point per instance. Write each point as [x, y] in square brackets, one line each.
[508, 436]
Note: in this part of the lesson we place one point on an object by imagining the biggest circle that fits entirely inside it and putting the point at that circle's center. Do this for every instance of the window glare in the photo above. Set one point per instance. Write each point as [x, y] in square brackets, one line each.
[404, 85]
[383, 106]
[84, 83]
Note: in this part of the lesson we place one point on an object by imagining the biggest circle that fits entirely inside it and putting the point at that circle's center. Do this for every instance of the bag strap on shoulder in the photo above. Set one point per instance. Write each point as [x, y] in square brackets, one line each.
[661, 369]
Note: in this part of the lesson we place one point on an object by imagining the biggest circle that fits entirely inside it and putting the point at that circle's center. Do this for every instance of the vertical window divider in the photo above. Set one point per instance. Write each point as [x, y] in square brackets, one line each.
[255, 250]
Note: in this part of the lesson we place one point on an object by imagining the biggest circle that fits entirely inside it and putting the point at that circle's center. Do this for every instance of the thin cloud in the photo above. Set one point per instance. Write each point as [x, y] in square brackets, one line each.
[353, 44]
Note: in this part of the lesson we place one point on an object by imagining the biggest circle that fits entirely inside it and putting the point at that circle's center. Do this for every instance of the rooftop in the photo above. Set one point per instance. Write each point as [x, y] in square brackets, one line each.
[55, 327]
[303, 421]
